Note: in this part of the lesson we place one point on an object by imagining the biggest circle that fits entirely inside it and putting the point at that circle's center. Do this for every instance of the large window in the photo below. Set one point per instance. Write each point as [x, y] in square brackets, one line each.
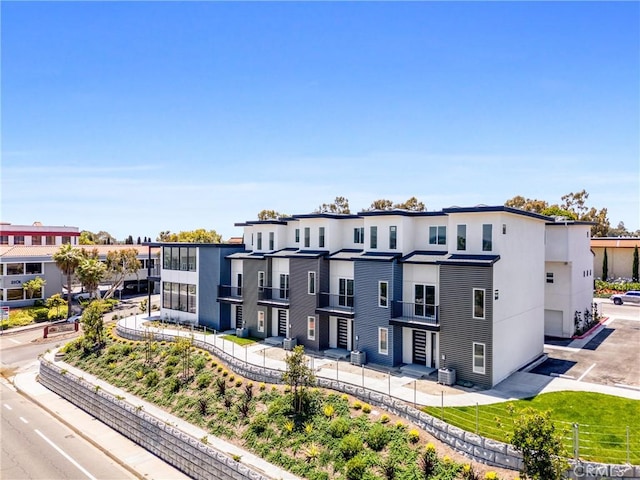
[50, 240]
[438, 235]
[373, 237]
[425, 301]
[18, 239]
[478, 303]
[461, 243]
[66, 239]
[33, 268]
[297, 240]
[383, 341]
[487, 240]
[345, 292]
[307, 237]
[383, 294]
[15, 268]
[261, 321]
[478, 357]
[15, 294]
[321, 237]
[179, 258]
[284, 285]
[311, 328]
[179, 296]
[4, 239]
[259, 246]
[311, 283]
[36, 240]
[271, 241]
[358, 235]
[393, 237]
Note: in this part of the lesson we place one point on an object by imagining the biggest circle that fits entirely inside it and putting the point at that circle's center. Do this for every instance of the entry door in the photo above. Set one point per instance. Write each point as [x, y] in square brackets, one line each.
[420, 347]
[433, 350]
[343, 333]
[282, 323]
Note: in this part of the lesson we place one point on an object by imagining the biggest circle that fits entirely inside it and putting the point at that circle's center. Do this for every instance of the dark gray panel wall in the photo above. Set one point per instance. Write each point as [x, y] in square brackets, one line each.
[302, 304]
[250, 306]
[395, 293]
[458, 328]
[368, 315]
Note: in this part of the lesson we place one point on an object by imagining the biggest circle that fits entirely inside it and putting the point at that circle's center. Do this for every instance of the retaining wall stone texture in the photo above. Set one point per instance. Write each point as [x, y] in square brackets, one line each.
[481, 449]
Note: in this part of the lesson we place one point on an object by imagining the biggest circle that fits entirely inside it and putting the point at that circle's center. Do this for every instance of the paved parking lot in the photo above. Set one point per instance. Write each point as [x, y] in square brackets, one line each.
[610, 357]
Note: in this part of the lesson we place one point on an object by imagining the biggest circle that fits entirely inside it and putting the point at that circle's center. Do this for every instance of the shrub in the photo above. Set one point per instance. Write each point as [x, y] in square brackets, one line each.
[221, 386]
[377, 437]
[428, 461]
[171, 360]
[384, 418]
[168, 371]
[152, 379]
[350, 446]
[339, 427]
[366, 408]
[312, 452]
[262, 387]
[357, 405]
[199, 363]
[328, 411]
[40, 314]
[491, 476]
[356, 468]
[173, 385]
[204, 380]
[414, 435]
[238, 383]
[139, 374]
[259, 424]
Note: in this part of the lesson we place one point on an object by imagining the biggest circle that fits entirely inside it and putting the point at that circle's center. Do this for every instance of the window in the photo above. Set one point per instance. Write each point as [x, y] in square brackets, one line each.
[297, 235]
[239, 284]
[191, 298]
[393, 237]
[4, 239]
[358, 235]
[424, 301]
[271, 241]
[478, 358]
[18, 239]
[383, 295]
[321, 237]
[179, 296]
[15, 294]
[175, 258]
[166, 294]
[239, 321]
[184, 259]
[66, 239]
[487, 243]
[50, 240]
[504, 228]
[284, 285]
[311, 283]
[549, 277]
[166, 257]
[261, 321]
[192, 259]
[15, 268]
[259, 246]
[383, 341]
[345, 292]
[307, 237]
[462, 237]
[311, 328]
[33, 268]
[478, 303]
[260, 281]
[373, 237]
[438, 235]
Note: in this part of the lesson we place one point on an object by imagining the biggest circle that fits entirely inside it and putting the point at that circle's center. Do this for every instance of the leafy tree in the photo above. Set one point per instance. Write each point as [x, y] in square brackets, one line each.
[381, 204]
[528, 204]
[605, 266]
[339, 205]
[104, 238]
[270, 214]
[55, 301]
[535, 436]
[139, 242]
[556, 211]
[634, 266]
[34, 286]
[93, 325]
[120, 264]
[298, 376]
[412, 204]
[67, 259]
[129, 240]
[199, 235]
[91, 272]
[87, 238]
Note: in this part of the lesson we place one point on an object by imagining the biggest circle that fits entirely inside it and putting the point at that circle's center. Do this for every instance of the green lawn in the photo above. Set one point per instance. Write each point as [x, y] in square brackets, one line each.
[239, 341]
[603, 422]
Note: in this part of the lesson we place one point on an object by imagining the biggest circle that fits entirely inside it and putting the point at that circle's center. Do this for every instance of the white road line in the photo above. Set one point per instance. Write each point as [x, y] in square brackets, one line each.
[65, 455]
[7, 407]
[15, 341]
[585, 372]
[24, 420]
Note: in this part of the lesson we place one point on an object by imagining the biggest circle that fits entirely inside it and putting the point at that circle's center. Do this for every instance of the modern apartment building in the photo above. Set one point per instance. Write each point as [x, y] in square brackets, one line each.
[37, 235]
[462, 288]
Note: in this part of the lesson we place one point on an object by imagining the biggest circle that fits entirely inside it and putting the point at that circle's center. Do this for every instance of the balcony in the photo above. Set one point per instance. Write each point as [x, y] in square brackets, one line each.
[229, 294]
[273, 297]
[336, 305]
[415, 315]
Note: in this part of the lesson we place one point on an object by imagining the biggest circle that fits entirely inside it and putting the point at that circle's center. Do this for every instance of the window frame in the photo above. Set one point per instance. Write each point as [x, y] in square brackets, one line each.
[484, 303]
[321, 237]
[311, 283]
[297, 236]
[260, 321]
[383, 339]
[261, 277]
[437, 235]
[550, 277]
[393, 237]
[474, 356]
[307, 237]
[346, 299]
[461, 237]
[311, 327]
[259, 241]
[383, 297]
[272, 240]
[373, 237]
[487, 243]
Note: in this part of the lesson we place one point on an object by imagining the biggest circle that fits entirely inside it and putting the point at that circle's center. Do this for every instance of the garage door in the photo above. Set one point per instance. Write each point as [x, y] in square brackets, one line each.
[553, 323]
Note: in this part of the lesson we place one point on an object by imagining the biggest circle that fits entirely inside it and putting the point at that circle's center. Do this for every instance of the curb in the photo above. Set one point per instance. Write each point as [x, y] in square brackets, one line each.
[591, 330]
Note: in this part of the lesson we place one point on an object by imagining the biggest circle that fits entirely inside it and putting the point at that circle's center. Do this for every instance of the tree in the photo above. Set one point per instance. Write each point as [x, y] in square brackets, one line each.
[34, 286]
[634, 266]
[93, 325]
[67, 259]
[605, 266]
[556, 211]
[55, 301]
[535, 436]
[91, 272]
[104, 238]
[87, 238]
[139, 241]
[528, 204]
[270, 214]
[129, 240]
[381, 204]
[121, 263]
[339, 205]
[199, 235]
[412, 204]
[298, 376]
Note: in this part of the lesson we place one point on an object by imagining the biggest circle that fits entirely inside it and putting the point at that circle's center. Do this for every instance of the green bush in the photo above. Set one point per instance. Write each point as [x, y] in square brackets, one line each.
[172, 360]
[339, 427]
[356, 468]
[204, 380]
[152, 379]
[57, 313]
[40, 314]
[199, 363]
[168, 371]
[377, 437]
[259, 424]
[350, 446]
[173, 385]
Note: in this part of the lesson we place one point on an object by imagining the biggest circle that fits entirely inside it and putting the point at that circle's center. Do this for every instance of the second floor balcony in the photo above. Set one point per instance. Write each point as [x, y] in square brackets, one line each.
[420, 315]
[273, 296]
[336, 304]
[230, 294]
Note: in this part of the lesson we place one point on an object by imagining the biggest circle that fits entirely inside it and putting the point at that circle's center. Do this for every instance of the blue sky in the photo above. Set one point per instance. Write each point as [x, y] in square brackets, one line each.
[140, 117]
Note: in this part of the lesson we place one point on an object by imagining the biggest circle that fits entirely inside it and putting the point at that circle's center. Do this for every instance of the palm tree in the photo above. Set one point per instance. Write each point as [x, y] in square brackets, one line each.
[90, 272]
[67, 259]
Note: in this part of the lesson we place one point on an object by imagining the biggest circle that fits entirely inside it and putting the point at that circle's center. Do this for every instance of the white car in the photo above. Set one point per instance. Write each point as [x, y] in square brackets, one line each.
[632, 296]
[82, 296]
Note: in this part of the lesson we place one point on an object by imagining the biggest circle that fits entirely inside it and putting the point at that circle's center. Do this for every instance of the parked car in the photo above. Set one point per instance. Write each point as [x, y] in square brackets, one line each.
[82, 296]
[632, 296]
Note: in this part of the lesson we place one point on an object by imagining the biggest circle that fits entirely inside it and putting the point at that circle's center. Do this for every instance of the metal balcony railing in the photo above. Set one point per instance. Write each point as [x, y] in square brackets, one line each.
[280, 295]
[229, 291]
[336, 302]
[416, 312]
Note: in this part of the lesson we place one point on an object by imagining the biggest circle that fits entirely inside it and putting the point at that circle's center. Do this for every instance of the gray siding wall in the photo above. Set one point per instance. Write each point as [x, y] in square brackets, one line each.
[250, 307]
[208, 280]
[395, 293]
[323, 320]
[368, 315]
[458, 328]
[303, 305]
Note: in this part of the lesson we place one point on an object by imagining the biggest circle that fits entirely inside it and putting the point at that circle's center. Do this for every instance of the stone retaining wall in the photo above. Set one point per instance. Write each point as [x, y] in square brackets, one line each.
[481, 449]
[187, 454]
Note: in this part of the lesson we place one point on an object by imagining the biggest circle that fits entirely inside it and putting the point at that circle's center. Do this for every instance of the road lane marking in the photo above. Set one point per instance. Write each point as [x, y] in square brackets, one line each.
[24, 420]
[15, 341]
[7, 407]
[585, 372]
[65, 455]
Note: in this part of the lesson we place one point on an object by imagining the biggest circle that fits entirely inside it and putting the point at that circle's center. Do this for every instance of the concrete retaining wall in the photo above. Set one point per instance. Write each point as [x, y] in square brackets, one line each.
[187, 454]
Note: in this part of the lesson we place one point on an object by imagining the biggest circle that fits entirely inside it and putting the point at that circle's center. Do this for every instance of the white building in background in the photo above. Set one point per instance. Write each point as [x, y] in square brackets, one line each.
[37, 235]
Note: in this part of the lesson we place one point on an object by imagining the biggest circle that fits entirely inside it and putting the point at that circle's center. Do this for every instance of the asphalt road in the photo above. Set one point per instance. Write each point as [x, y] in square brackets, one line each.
[36, 446]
